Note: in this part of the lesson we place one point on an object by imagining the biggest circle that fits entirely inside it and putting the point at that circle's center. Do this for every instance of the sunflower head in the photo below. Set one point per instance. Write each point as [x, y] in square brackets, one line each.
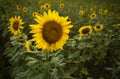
[81, 12]
[100, 11]
[85, 30]
[25, 9]
[98, 27]
[47, 6]
[19, 6]
[3, 16]
[110, 14]
[116, 25]
[51, 32]
[42, 7]
[105, 11]
[93, 15]
[15, 25]
[34, 14]
[61, 5]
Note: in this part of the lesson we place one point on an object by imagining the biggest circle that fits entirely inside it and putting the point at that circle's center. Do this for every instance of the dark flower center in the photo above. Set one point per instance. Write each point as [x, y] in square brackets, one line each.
[98, 27]
[86, 30]
[61, 5]
[93, 15]
[52, 32]
[46, 6]
[19, 6]
[15, 25]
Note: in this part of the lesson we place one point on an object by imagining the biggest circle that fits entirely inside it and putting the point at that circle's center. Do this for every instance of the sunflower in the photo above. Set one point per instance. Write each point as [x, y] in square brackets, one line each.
[98, 27]
[27, 45]
[105, 11]
[85, 30]
[81, 12]
[25, 9]
[100, 11]
[15, 25]
[19, 6]
[116, 25]
[3, 16]
[42, 7]
[61, 5]
[51, 32]
[47, 6]
[110, 14]
[34, 14]
[93, 15]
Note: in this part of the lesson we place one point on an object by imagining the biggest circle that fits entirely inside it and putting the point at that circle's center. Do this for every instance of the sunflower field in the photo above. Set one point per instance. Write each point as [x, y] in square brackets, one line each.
[59, 39]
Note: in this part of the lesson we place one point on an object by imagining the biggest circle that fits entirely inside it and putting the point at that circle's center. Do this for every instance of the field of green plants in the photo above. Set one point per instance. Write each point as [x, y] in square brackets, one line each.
[59, 39]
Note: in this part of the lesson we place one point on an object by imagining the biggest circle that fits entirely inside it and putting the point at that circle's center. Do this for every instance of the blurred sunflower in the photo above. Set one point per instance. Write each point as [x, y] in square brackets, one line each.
[19, 6]
[100, 11]
[110, 13]
[98, 27]
[85, 30]
[81, 12]
[27, 45]
[93, 15]
[51, 32]
[34, 14]
[42, 7]
[3, 16]
[25, 9]
[15, 25]
[105, 11]
[61, 5]
[116, 25]
[47, 6]
[38, 11]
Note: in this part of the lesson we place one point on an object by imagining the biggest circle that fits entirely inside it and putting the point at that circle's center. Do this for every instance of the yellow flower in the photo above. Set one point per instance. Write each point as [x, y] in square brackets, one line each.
[51, 32]
[3, 16]
[38, 11]
[25, 9]
[24, 13]
[98, 27]
[34, 14]
[15, 25]
[110, 14]
[100, 11]
[81, 12]
[105, 11]
[42, 7]
[93, 15]
[61, 5]
[85, 30]
[116, 25]
[47, 6]
[19, 6]
[27, 45]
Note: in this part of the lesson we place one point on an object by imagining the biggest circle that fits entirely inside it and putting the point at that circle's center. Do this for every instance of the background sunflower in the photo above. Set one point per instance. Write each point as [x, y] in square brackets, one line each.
[98, 27]
[15, 25]
[85, 30]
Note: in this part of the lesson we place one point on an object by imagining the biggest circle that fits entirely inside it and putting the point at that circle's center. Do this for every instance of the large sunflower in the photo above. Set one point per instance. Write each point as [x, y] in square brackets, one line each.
[51, 32]
[15, 25]
[85, 30]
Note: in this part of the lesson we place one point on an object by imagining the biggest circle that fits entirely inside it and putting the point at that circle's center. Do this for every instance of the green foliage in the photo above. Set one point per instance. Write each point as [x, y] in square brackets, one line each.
[93, 56]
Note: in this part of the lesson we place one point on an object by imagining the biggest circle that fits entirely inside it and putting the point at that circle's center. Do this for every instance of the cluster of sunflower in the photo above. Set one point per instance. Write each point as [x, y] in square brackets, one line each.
[51, 32]
[53, 40]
